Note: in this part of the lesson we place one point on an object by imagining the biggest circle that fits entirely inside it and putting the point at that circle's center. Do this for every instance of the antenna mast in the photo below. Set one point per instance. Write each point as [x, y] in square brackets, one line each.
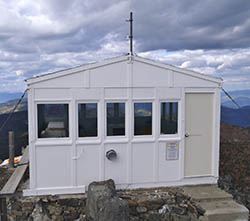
[131, 33]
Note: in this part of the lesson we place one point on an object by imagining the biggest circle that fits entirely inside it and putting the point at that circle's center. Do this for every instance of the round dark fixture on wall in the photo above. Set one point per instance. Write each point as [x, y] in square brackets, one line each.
[111, 154]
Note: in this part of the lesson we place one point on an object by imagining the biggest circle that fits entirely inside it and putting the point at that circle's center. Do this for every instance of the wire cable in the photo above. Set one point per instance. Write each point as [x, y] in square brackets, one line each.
[231, 98]
[13, 110]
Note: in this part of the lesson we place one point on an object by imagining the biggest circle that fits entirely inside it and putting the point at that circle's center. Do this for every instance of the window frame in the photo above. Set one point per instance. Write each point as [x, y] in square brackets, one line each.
[106, 122]
[152, 136]
[178, 116]
[96, 138]
[48, 139]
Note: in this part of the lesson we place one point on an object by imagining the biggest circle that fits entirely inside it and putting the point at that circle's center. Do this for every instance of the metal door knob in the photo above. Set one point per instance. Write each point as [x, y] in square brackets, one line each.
[186, 135]
[111, 154]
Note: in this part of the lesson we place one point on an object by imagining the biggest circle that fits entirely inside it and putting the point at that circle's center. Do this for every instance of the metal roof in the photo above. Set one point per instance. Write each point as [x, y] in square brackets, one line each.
[109, 61]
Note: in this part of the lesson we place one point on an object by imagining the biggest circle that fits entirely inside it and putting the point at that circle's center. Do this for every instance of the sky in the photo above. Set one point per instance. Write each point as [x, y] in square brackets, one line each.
[43, 36]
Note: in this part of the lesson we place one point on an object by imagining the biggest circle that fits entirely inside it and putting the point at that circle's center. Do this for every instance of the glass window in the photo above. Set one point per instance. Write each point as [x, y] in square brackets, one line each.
[169, 117]
[87, 120]
[143, 118]
[53, 120]
[115, 119]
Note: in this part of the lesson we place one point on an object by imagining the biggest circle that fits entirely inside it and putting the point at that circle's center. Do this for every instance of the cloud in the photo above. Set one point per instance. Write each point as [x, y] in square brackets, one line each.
[43, 36]
[192, 24]
[230, 64]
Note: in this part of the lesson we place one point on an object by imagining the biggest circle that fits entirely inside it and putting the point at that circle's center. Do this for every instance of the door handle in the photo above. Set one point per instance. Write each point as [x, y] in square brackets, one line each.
[111, 154]
[186, 135]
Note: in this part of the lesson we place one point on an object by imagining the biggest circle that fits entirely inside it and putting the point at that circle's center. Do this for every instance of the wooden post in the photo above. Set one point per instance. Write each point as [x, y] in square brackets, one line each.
[3, 209]
[11, 149]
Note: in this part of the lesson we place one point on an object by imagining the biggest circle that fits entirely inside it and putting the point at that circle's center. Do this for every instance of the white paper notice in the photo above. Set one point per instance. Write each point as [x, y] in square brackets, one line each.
[172, 151]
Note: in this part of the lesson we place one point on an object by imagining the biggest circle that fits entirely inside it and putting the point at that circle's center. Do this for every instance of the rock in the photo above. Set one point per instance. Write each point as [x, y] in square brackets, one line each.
[200, 210]
[193, 218]
[141, 209]
[81, 218]
[152, 216]
[103, 204]
[132, 203]
[152, 204]
[178, 210]
[164, 209]
[39, 213]
[177, 217]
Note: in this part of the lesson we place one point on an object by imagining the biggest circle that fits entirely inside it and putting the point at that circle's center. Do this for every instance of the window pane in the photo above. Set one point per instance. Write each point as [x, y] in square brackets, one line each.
[53, 120]
[143, 118]
[169, 117]
[87, 120]
[115, 119]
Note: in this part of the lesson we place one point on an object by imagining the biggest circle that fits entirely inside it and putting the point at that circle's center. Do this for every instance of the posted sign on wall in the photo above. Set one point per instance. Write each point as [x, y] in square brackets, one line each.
[172, 151]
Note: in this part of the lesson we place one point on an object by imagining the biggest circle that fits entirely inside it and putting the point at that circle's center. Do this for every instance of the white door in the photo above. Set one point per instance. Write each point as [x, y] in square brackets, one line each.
[199, 134]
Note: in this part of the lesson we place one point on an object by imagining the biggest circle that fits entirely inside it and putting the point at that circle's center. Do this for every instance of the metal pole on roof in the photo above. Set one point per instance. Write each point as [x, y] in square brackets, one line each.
[131, 32]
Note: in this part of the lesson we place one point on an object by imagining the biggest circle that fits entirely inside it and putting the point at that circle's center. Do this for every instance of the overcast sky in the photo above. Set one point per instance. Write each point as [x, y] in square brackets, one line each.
[208, 36]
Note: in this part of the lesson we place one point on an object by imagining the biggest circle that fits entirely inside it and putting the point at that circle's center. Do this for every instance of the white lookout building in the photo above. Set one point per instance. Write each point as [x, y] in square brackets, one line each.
[139, 122]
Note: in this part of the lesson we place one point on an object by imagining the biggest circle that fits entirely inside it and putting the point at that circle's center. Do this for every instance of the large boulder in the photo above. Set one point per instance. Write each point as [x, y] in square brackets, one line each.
[104, 205]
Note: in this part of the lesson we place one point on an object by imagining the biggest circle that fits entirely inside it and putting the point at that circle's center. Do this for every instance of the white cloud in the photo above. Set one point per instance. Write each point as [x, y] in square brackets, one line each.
[44, 36]
[19, 72]
[231, 65]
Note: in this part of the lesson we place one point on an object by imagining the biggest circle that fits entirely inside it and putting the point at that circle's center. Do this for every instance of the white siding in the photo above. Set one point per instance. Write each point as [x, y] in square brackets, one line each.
[69, 165]
[53, 166]
[145, 75]
[182, 80]
[67, 81]
[114, 75]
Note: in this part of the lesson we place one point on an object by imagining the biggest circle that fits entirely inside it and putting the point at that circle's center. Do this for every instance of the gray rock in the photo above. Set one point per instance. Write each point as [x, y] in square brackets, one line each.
[176, 217]
[81, 218]
[104, 205]
[177, 210]
[200, 210]
[164, 209]
[39, 213]
[141, 209]
[152, 216]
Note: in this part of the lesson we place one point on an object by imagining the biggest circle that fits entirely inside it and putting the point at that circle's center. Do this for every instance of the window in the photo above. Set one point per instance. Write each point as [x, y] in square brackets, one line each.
[115, 119]
[169, 117]
[87, 120]
[143, 118]
[53, 120]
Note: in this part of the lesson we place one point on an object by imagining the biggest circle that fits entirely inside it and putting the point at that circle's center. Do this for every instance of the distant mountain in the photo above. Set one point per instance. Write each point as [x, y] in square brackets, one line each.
[19, 124]
[5, 96]
[9, 105]
[238, 117]
[241, 101]
[242, 97]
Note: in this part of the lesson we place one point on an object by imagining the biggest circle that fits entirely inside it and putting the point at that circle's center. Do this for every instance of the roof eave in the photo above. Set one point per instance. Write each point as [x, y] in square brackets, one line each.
[180, 70]
[61, 73]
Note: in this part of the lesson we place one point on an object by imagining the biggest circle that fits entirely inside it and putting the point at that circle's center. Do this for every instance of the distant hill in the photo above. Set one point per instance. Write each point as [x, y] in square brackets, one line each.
[19, 124]
[241, 101]
[5, 96]
[239, 117]
[242, 97]
[9, 105]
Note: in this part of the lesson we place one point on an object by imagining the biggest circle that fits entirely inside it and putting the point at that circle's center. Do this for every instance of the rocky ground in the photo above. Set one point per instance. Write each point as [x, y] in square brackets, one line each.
[235, 162]
[151, 204]
[103, 203]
